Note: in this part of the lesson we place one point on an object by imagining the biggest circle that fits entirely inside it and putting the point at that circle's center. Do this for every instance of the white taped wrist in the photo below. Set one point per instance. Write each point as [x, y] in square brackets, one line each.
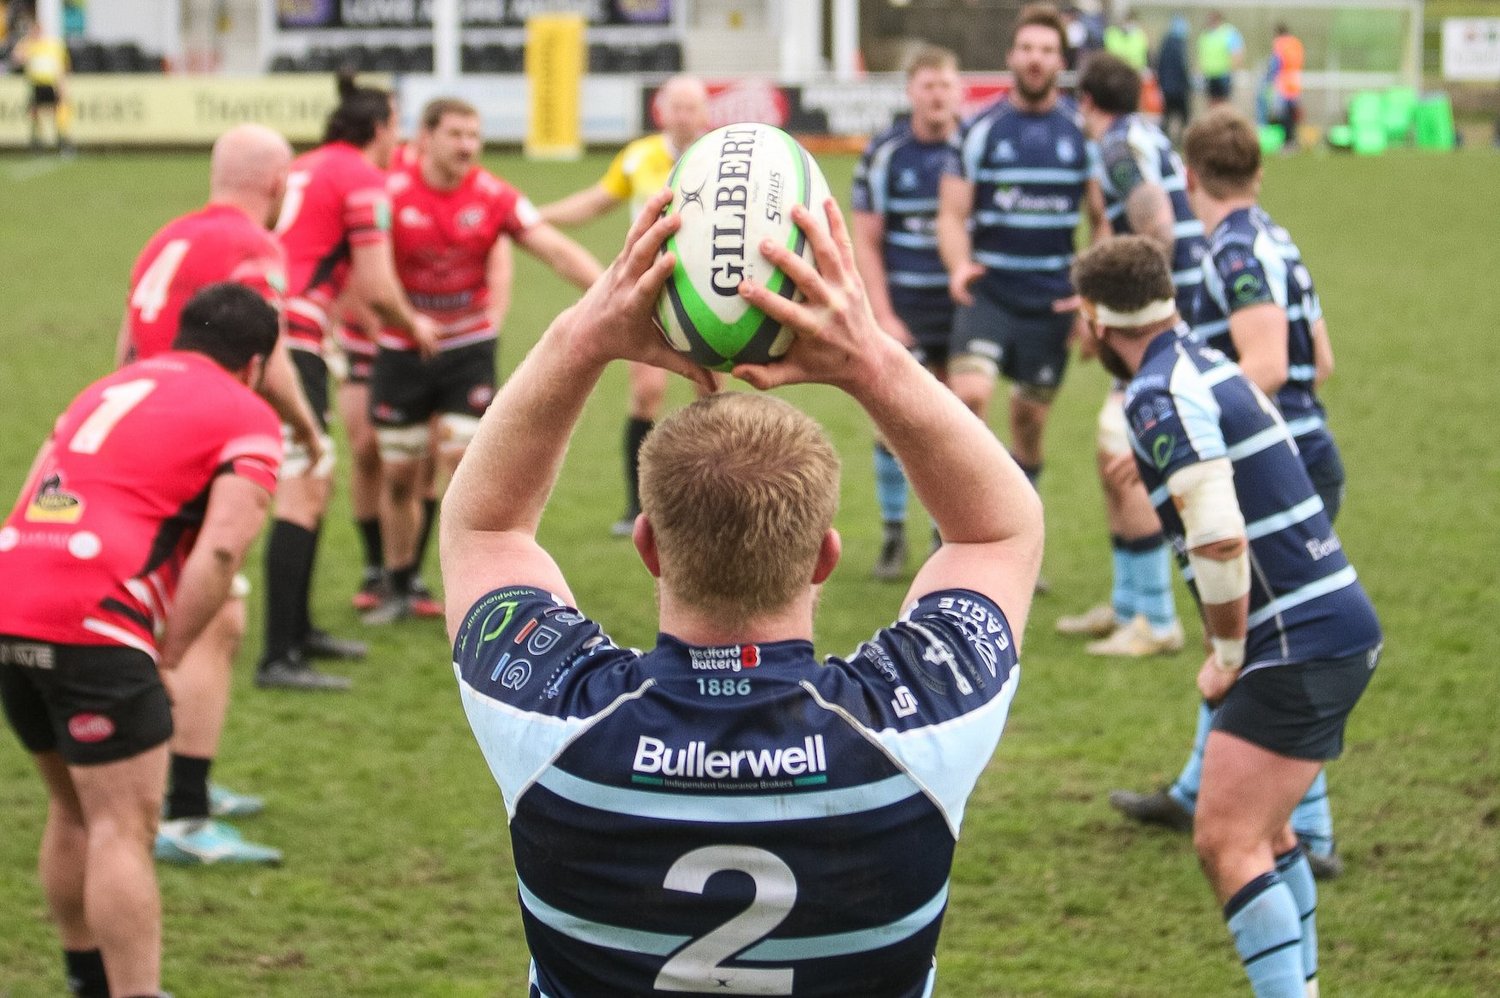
[1230, 653]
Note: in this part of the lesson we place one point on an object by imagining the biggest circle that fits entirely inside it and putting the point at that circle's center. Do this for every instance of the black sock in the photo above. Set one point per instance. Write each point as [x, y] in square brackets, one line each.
[635, 435]
[429, 517]
[369, 539]
[289, 555]
[304, 605]
[85, 973]
[187, 796]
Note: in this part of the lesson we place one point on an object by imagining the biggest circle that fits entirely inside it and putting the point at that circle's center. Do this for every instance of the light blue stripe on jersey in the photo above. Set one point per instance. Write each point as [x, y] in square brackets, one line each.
[1197, 409]
[1320, 587]
[1031, 175]
[1305, 509]
[1301, 372]
[523, 743]
[1115, 210]
[907, 206]
[1208, 330]
[1008, 261]
[1187, 229]
[729, 808]
[912, 240]
[1186, 278]
[1273, 260]
[1159, 495]
[1028, 220]
[1264, 440]
[947, 758]
[880, 165]
[915, 280]
[844, 943]
[1305, 425]
[1220, 374]
[769, 950]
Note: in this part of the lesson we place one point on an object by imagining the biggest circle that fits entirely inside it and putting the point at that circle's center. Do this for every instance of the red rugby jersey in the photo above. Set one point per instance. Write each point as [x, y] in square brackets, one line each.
[442, 241]
[218, 242]
[92, 551]
[335, 199]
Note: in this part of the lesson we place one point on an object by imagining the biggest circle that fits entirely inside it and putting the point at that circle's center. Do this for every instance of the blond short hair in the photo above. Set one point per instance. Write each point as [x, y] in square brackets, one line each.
[930, 57]
[740, 490]
[439, 108]
[1223, 149]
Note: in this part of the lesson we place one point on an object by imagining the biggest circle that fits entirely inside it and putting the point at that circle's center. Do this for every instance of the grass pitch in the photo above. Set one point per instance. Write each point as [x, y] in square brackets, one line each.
[397, 879]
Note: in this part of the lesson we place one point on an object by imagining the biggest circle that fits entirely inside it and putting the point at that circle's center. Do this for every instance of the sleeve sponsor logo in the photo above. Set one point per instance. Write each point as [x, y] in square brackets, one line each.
[1247, 286]
[54, 504]
[1162, 448]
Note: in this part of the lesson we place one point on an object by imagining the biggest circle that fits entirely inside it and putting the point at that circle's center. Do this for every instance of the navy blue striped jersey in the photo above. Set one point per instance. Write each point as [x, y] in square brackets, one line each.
[1131, 152]
[1190, 403]
[1030, 172]
[897, 178]
[1252, 260]
[740, 819]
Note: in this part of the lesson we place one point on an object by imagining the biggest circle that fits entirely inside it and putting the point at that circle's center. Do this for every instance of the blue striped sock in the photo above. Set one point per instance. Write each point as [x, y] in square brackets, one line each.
[890, 486]
[1151, 571]
[1122, 592]
[1294, 871]
[1313, 818]
[1267, 933]
[1185, 790]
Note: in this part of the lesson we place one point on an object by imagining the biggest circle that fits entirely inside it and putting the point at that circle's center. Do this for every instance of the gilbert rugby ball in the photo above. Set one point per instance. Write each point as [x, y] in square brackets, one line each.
[733, 188]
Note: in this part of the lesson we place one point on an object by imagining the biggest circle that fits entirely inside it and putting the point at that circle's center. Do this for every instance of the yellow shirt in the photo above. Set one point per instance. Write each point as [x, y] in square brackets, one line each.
[640, 170]
[45, 60]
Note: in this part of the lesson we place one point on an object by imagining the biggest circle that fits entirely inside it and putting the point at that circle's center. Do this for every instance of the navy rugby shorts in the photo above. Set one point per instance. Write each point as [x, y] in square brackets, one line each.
[1298, 710]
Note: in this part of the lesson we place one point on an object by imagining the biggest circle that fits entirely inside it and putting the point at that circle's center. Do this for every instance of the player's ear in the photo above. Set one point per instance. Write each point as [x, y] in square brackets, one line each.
[828, 556]
[644, 539]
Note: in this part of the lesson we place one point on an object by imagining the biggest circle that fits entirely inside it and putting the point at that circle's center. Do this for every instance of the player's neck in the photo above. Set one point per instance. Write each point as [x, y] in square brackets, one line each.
[1132, 350]
[695, 627]
[933, 129]
[1040, 105]
[257, 209]
[438, 179]
[1214, 210]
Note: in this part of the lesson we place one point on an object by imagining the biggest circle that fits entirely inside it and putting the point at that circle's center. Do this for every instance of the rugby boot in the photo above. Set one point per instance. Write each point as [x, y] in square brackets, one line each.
[1137, 639]
[292, 672]
[394, 605]
[891, 565]
[320, 644]
[368, 596]
[226, 803]
[1155, 808]
[1325, 866]
[423, 604]
[205, 842]
[1095, 622]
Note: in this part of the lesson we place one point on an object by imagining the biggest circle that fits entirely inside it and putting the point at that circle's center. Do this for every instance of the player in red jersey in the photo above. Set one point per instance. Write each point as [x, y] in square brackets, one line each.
[134, 518]
[449, 217]
[227, 240]
[334, 228]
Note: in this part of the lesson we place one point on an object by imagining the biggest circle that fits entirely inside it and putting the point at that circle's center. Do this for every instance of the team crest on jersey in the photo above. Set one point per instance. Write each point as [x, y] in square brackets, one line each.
[907, 181]
[54, 504]
[1005, 151]
[1066, 150]
[414, 218]
[470, 217]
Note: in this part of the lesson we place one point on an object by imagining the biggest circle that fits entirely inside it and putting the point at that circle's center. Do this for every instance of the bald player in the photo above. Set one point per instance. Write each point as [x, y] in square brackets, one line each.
[225, 240]
[640, 170]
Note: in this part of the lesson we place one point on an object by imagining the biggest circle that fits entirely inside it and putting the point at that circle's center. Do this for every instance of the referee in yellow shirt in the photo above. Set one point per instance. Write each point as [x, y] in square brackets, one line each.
[640, 170]
[44, 61]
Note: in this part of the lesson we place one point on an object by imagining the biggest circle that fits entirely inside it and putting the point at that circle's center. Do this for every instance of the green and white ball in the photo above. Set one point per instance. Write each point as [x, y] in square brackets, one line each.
[733, 188]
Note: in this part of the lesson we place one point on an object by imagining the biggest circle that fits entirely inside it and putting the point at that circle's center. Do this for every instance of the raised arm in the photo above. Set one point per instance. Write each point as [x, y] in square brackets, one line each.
[575, 209]
[988, 514]
[564, 255]
[494, 504]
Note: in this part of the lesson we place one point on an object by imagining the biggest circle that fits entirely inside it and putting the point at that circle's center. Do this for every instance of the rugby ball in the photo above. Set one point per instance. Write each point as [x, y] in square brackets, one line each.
[733, 188]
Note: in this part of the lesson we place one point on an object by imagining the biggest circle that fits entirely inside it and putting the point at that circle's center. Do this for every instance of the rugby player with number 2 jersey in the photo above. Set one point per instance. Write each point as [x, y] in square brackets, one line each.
[724, 813]
[1294, 640]
[451, 217]
[121, 549]
[227, 240]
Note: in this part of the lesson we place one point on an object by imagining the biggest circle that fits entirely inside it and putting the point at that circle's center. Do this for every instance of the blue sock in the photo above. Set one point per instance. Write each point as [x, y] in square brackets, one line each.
[1151, 576]
[890, 486]
[1267, 933]
[1122, 592]
[1313, 819]
[1293, 870]
[1185, 790]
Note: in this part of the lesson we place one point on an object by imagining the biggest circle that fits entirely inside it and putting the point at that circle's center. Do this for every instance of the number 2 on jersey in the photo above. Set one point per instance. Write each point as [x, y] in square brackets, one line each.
[698, 966]
[117, 401]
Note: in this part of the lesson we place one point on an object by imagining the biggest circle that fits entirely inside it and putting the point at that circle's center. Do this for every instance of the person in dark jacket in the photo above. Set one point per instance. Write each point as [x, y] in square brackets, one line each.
[1174, 80]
